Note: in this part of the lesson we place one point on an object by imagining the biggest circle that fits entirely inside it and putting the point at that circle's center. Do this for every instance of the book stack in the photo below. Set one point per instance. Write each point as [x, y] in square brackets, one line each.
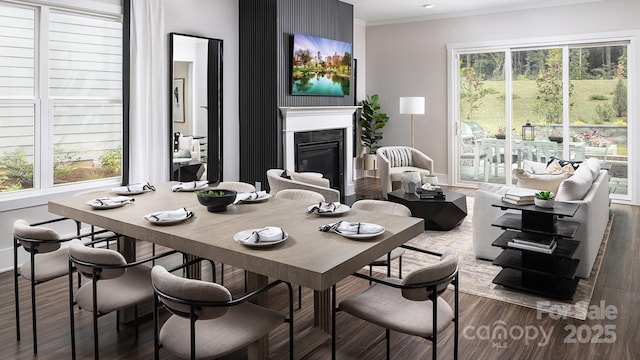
[544, 245]
[519, 196]
[424, 194]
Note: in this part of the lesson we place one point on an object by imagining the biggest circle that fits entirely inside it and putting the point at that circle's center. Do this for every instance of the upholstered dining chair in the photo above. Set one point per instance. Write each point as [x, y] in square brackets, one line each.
[47, 261]
[302, 195]
[394, 160]
[115, 285]
[280, 179]
[238, 186]
[390, 208]
[207, 323]
[412, 306]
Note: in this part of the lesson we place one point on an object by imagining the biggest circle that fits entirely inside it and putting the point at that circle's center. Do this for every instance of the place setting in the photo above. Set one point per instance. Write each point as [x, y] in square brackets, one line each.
[266, 236]
[328, 209]
[189, 186]
[109, 202]
[354, 230]
[169, 217]
[134, 189]
[252, 197]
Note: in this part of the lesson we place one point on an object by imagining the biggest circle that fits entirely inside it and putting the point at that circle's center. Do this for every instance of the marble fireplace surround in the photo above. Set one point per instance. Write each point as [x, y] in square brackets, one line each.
[311, 118]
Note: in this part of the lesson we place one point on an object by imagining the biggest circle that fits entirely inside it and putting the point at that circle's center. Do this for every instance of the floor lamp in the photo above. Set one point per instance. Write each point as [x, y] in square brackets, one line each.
[414, 106]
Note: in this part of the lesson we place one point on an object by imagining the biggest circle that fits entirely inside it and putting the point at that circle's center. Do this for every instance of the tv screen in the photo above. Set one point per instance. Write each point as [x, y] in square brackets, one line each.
[320, 66]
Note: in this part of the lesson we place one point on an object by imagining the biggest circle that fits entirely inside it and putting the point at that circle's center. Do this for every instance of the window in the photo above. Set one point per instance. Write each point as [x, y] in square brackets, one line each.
[60, 97]
[572, 93]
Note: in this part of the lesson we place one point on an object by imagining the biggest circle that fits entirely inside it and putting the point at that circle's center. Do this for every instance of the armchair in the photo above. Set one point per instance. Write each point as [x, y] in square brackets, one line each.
[301, 181]
[394, 160]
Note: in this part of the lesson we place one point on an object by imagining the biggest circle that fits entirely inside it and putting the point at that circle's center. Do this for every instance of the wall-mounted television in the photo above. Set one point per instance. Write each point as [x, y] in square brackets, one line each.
[320, 66]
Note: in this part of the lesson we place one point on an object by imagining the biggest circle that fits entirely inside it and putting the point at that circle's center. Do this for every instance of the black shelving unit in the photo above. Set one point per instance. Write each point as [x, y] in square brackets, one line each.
[551, 275]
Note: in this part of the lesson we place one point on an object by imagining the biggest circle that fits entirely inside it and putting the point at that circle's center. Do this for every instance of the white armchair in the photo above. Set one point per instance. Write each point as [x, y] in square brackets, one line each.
[301, 181]
[394, 160]
[188, 147]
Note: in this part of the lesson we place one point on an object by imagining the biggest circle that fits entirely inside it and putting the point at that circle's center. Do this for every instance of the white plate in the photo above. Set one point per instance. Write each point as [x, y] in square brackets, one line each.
[112, 205]
[246, 233]
[340, 209]
[260, 199]
[176, 220]
[363, 236]
[204, 185]
[123, 191]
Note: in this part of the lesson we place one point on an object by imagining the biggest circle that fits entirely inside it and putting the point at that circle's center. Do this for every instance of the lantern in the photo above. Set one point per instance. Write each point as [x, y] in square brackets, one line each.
[528, 132]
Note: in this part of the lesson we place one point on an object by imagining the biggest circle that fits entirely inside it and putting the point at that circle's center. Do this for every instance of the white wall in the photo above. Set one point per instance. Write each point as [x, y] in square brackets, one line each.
[217, 19]
[411, 60]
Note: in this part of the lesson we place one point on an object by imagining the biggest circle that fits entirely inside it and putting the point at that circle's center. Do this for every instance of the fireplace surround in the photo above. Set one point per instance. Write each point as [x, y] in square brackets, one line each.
[317, 119]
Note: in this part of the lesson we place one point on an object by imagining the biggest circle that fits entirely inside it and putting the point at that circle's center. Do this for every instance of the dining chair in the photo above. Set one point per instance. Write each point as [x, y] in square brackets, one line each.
[309, 196]
[391, 208]
[47, 261]
[413, 306]
[206, 322]
[115, 285]
[238, 186]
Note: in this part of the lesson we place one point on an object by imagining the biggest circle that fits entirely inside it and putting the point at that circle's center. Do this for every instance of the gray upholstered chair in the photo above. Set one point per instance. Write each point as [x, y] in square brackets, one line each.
[238, 186]
[308, 196]
[412, 306]
[207, 323]
[115, 285]
[301, 181]
[394, 160]
[391, 208]
[47, 261]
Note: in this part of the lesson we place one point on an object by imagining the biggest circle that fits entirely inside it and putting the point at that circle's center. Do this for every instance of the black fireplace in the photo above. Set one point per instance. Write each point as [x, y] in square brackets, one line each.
[322, 151]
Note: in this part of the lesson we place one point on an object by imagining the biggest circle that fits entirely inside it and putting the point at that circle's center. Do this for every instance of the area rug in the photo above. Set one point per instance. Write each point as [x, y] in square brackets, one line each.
[476, 275]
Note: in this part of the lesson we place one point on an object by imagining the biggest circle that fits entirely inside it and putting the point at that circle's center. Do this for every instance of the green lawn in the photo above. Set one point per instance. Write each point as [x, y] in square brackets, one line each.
[491, 113]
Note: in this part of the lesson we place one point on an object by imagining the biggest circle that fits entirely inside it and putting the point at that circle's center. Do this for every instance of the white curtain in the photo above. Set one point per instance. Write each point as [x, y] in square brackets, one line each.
[149, 128]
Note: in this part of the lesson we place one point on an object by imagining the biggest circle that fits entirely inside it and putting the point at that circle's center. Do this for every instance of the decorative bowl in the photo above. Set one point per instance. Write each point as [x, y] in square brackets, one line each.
[216, 200]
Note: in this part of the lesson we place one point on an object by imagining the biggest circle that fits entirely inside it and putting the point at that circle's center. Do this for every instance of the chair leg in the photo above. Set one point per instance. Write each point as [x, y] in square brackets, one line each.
[400, 267]
[33, 303]
[299, 297]
[95, 317]
[71, 314]
[370, 272]
[387, 335]
[15, 289]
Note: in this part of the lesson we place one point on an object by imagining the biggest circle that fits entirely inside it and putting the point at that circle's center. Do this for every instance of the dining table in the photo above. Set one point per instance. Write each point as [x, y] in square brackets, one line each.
[308, 257]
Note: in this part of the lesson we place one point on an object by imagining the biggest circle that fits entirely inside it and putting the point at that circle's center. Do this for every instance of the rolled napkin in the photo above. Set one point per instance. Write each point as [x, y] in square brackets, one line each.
[240, 197]
[169, 215]
[134, 188]
[266, 234]
[189, 186]
[352, 228]
[109, 201]
[324, 207]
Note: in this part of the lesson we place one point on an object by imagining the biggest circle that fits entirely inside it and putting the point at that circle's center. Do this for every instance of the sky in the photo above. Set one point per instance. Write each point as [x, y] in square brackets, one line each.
[325, 46]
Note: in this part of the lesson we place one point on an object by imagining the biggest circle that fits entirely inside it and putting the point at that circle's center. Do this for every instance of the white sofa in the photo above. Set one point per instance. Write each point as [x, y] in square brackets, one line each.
[593, 216]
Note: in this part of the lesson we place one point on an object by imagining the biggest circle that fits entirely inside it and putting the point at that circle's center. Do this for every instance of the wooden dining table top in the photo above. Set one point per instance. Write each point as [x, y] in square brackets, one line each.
[308, 257]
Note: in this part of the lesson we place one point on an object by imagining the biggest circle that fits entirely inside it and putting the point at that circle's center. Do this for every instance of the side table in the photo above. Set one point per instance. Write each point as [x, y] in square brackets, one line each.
[438, 214]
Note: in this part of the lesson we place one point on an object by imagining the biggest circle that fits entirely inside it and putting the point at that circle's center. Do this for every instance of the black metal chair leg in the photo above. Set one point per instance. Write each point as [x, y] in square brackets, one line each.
[33, 303]
[387, 334]
[15, 290]
[400, 267]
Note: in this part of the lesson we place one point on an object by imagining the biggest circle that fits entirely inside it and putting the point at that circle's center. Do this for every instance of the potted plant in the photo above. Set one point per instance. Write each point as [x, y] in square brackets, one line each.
[372, 120]
[544, 199]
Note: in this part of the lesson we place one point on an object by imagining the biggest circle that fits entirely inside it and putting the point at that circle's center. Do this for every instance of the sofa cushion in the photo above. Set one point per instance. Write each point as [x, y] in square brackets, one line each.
[399, 156]
[554, 167]
[544, 182]
[577, 186]
[594, 165]
[575, 164]
[533, 167]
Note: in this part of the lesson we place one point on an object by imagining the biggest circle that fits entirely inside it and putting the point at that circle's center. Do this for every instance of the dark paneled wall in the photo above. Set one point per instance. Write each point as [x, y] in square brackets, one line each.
[266, 36]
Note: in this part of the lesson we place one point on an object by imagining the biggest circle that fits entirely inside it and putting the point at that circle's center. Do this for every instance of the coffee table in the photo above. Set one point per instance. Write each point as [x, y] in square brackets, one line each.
[437, 214]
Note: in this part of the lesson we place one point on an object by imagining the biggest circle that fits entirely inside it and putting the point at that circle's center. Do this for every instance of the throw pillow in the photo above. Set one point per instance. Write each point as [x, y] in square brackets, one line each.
[575, 163]
[285, 174]
[554, 167]
[577, 186]
[310, 179]
[399, 156]
[533, 166]
[183, 153]
[543, 182]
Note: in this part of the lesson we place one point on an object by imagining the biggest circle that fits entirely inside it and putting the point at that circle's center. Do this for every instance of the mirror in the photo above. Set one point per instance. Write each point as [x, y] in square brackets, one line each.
[195, 114]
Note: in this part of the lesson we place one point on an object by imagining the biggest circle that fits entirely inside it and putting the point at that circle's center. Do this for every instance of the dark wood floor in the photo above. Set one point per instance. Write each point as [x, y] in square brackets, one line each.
[615, 337]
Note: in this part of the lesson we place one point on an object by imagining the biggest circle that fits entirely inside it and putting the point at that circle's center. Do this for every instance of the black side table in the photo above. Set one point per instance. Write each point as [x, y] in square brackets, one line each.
[441, 214]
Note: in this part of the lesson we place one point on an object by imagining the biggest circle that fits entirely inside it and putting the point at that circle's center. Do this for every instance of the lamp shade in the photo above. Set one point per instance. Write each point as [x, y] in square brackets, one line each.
[412, 105]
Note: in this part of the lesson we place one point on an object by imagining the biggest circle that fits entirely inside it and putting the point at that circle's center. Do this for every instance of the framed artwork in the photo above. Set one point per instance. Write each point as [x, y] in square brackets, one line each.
[178, 99]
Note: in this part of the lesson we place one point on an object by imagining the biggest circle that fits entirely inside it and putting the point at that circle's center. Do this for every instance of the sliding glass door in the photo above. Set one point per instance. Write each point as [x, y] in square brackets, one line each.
[531, 103]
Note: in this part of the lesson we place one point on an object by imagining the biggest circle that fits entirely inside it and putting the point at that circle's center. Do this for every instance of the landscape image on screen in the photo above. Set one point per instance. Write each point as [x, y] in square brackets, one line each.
[320, 66]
